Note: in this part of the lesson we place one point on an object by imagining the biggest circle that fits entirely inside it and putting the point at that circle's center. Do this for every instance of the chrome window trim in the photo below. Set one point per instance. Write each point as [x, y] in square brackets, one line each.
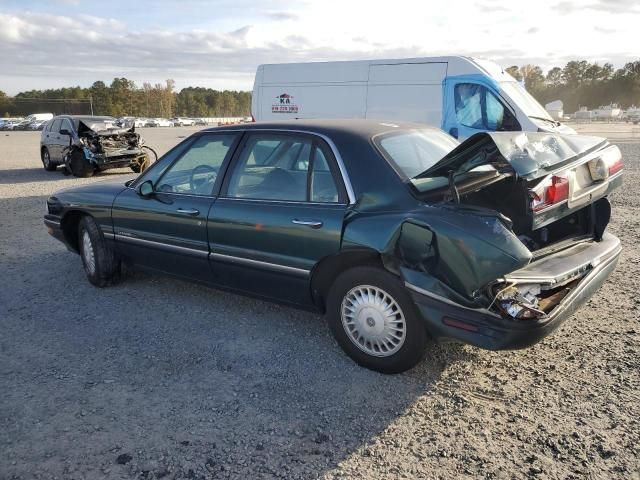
[294, 202]
[162, 246]
[341, 166]
[259, 263]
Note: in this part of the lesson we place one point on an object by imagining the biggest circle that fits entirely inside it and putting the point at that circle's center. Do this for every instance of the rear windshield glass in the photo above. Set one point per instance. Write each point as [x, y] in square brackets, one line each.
[411, 152]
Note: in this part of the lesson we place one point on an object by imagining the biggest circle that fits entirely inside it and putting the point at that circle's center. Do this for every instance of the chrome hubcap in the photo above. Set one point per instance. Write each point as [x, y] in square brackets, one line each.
[373, 321]
[45, 157]
[87, 253]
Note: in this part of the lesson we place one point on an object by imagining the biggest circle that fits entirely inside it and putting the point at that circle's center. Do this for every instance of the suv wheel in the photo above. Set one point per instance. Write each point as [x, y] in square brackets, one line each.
[374, 320]
[98, 259]
[79, 165]
[46, 160]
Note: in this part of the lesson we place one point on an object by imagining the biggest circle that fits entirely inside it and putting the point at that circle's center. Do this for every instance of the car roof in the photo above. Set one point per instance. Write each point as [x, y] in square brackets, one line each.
[80, 117]
[357, 127]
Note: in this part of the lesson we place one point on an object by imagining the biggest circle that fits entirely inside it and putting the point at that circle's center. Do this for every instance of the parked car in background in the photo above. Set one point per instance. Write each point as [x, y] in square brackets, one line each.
[37, 125]
[200, 122]
[183, 122]
[163, 122]
[13, 124]
[396, 231]
[461, 95]
[125, 122]
[140, 122]
[86, 144]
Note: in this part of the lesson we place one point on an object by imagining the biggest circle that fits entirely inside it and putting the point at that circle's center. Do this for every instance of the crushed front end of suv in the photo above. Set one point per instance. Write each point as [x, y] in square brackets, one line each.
[86, 144]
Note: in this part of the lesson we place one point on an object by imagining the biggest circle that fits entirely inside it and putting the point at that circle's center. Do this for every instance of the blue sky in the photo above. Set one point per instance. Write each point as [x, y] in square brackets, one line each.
[48, 44]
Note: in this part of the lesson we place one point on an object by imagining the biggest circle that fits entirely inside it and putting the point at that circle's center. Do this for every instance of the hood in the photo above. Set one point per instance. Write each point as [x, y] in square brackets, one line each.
[530, 155]
[111, 185]
[101, 128]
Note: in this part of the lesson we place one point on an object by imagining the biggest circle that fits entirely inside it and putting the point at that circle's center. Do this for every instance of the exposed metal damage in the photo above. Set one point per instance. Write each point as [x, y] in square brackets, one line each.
[99, 146]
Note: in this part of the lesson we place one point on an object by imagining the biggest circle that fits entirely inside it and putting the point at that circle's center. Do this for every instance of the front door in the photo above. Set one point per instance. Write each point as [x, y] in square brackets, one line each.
[167, 230]
[280, 211]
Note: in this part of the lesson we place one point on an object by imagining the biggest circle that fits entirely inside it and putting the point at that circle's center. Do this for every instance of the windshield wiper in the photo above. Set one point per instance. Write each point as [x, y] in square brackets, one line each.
[557, 124]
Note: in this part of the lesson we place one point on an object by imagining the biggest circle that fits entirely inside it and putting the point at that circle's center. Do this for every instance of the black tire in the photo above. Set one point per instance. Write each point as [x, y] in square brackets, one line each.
[48, 164]
[105, 267]
[79, 165]
[413, 348]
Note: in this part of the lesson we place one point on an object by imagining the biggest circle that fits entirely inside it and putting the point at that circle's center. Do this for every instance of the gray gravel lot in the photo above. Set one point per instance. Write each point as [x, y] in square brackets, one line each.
[158, 378]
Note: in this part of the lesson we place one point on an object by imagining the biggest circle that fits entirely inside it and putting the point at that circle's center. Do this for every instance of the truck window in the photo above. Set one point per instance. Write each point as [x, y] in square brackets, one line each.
[477, 107]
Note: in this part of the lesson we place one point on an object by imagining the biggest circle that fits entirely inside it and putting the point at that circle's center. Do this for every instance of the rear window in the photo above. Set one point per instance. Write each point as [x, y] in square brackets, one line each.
[411, 152]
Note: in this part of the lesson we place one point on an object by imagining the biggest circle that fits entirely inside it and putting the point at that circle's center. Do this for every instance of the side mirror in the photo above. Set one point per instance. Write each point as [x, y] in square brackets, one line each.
[145, 189]
[64, 131]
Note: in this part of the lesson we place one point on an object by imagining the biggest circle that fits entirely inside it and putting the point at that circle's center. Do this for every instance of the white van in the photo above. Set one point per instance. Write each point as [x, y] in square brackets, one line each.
[39, 117]
[461, 95]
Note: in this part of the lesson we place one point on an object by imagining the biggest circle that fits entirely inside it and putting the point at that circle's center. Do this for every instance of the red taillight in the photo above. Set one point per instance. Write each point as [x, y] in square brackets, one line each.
[557, 191]
[615, 166]
[612, 158]
[551, 191]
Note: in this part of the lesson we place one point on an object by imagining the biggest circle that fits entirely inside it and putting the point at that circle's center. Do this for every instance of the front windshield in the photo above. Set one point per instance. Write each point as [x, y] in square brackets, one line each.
[528, 104]
[411, 152]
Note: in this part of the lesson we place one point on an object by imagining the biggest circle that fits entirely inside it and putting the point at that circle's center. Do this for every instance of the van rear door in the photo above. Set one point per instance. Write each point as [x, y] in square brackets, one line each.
[406, 91]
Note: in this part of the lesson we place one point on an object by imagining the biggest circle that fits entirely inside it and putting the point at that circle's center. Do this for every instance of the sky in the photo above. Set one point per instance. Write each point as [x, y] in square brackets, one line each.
[219, 44]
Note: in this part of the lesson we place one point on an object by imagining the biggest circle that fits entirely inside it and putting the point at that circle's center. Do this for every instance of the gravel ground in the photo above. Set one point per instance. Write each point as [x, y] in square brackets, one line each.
[158, 378]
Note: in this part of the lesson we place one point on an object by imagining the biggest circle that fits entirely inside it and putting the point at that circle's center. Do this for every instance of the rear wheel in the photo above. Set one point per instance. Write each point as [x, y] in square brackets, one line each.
[374, 320]
[98, 259]
[46, 160]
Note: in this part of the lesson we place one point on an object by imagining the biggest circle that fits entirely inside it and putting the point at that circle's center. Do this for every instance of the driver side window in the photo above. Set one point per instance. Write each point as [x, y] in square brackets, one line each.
[196, 171]
[477, 107]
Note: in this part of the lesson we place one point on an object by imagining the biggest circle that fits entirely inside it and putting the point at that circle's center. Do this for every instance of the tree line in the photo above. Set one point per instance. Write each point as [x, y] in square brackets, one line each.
[581, 83]
[578, 83]
[124, 98]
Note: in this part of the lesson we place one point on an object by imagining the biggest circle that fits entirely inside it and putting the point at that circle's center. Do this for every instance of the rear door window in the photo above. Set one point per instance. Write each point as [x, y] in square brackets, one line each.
[55, 126]
[283, 167]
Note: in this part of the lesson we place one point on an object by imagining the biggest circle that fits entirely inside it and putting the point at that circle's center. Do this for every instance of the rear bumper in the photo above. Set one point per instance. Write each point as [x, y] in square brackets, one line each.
[446, 320]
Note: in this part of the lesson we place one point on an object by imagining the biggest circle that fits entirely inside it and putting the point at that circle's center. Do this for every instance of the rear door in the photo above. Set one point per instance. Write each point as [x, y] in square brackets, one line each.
[280, 212]
[406, 92]
[51, 140]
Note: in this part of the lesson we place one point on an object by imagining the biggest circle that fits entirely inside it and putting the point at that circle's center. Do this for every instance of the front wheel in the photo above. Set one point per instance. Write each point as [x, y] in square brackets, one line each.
[98, 259]
[374, 320]
[80, 166]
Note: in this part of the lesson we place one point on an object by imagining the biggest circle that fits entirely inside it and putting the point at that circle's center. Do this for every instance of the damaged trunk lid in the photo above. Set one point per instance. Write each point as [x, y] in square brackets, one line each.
[552, 176]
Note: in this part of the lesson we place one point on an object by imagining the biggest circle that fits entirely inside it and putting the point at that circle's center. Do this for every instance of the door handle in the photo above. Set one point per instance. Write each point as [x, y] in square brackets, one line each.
[188, 211]
[307, 223]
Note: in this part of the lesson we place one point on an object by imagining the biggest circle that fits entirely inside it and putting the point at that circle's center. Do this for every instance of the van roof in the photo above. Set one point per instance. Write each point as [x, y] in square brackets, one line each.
[457, 64]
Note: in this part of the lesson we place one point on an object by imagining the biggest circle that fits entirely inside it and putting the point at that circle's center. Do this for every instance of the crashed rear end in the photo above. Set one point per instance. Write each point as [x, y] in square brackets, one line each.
[515, 229]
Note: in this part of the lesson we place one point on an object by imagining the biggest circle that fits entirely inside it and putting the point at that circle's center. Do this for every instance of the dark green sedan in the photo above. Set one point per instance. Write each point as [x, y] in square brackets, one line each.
[396, 231]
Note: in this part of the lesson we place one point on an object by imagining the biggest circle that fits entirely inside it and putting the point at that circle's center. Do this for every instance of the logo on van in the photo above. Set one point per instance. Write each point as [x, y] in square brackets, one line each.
[284, 104]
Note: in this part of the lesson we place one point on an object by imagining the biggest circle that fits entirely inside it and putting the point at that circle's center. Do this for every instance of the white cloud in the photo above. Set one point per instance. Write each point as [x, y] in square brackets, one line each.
[41, 50]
